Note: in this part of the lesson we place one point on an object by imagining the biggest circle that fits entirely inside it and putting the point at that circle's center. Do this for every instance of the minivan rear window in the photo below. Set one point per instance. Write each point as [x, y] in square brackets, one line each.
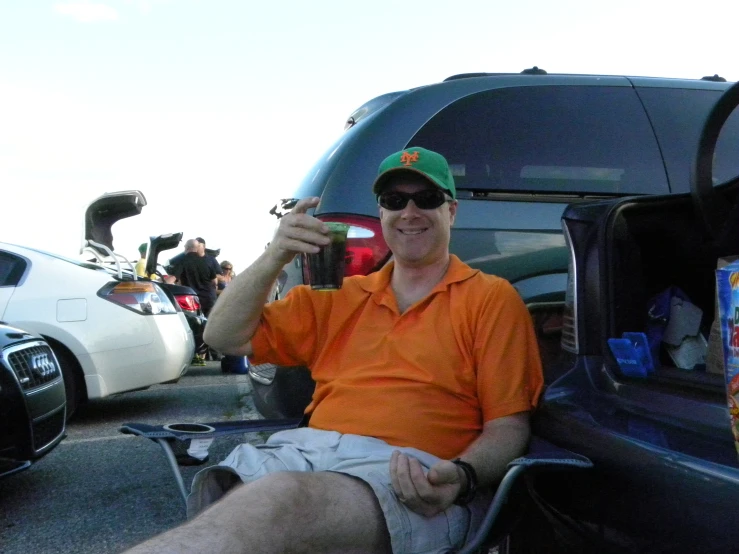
[678, 116]
[549, 139]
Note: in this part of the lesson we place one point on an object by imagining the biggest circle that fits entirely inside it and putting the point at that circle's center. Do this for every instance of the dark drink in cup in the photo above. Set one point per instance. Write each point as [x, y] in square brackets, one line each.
[327, 266]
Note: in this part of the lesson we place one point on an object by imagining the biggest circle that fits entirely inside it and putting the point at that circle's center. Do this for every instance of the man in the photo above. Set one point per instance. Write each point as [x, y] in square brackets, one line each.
[193, 271]
[141, 264]
[212, 261]
[206, 351]
[426, 371]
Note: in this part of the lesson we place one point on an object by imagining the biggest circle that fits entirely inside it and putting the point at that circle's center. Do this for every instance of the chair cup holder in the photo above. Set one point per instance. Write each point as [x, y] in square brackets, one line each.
[194, 428]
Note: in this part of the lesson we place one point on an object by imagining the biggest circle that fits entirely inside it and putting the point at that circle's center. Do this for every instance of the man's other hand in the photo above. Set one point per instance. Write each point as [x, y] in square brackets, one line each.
[429, 493]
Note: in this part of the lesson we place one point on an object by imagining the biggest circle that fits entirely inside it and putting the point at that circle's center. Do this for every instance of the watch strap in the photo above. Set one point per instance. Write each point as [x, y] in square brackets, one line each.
[466, 494]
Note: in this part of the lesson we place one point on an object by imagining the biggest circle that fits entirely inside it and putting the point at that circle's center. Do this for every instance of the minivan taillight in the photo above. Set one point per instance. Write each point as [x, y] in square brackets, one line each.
[188, 302]
[365, 246]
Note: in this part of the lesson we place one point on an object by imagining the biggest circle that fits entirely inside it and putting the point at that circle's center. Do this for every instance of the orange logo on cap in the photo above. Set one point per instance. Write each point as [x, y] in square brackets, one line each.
[407, 158]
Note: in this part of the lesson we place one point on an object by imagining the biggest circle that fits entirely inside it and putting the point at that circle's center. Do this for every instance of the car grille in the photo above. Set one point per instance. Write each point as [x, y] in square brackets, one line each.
[33, 363]
[47, 429]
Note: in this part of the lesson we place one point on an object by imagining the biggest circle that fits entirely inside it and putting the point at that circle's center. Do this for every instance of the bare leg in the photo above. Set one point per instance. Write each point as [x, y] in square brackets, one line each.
[286, 512]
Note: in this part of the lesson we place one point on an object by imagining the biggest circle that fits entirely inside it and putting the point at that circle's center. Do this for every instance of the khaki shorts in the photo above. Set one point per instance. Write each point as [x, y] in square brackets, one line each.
[367, 458]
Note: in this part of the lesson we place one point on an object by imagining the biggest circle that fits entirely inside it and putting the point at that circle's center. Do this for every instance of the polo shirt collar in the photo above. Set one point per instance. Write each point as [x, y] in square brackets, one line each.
[456, 272]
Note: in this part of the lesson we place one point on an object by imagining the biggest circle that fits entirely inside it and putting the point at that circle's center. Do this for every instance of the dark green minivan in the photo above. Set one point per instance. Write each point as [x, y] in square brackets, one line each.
[522, 147]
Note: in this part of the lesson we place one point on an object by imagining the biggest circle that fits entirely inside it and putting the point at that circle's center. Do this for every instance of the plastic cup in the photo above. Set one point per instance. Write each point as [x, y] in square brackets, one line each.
[327, 266]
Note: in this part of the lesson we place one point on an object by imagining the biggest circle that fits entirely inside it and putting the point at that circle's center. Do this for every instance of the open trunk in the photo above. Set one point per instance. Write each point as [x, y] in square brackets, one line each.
[105, 211]
[157, 245]
[661, 442]
[654, 244]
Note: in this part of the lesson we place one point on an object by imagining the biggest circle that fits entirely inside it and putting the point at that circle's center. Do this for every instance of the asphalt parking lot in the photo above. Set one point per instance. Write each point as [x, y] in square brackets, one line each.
[101, 491]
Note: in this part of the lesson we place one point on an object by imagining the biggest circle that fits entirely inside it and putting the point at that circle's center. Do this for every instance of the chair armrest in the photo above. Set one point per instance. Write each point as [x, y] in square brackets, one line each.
[220, 428]
[544, 455]
[165, 434]
[541, 456]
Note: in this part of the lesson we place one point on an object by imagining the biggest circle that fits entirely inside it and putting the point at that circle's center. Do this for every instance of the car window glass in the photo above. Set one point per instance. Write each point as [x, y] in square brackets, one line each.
[558, 139]
[11, 269]
[678, 116]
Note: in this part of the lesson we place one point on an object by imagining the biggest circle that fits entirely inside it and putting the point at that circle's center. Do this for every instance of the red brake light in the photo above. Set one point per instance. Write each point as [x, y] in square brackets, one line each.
[365, 246]
[188, 302]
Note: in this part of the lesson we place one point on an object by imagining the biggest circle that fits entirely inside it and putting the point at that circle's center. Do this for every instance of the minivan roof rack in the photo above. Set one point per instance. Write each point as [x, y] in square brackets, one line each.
[470, 75]
[533, 71]
[530, 71]
[714, 77]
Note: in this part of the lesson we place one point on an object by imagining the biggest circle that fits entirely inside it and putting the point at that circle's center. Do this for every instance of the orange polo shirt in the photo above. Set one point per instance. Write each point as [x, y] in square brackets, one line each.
[427, 378]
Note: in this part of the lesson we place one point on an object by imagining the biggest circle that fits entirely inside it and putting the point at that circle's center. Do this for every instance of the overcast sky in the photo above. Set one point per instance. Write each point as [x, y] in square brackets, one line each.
[215, 110]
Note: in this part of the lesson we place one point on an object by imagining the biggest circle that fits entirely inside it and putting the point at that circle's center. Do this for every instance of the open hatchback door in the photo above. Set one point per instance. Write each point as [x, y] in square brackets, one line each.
[666, 471]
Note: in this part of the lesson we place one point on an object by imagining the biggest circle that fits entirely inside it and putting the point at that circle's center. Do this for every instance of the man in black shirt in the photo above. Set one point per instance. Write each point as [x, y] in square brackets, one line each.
[193, 271]
[208, 353]
[212, 262]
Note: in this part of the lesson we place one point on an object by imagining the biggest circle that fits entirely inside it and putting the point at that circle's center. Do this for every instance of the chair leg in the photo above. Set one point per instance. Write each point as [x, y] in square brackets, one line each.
[174, 467]
[504, 546]
[500, 498]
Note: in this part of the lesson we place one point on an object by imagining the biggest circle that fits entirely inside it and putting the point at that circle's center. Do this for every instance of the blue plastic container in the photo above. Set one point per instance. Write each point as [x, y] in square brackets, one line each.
[234, 364]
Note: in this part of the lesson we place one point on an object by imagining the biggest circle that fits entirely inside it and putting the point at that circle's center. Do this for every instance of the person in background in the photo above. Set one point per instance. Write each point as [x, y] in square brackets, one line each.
[193, 271]
[212, 261]
[228, 363]
[141, 264]
[227, 273]
[209, 256]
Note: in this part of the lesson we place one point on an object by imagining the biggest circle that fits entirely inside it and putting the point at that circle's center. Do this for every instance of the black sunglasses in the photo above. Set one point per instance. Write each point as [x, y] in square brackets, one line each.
[428, 199]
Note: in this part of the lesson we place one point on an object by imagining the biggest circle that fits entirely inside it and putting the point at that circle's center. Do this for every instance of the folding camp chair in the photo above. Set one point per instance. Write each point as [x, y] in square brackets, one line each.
[541, 456]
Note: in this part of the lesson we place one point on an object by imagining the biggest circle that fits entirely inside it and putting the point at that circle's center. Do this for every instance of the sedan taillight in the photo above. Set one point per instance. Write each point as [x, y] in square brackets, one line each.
[144, 297]
[188, 302]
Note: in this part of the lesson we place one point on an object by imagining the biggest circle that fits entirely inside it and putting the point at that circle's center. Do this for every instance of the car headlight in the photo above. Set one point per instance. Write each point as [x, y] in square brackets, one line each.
[143, 297]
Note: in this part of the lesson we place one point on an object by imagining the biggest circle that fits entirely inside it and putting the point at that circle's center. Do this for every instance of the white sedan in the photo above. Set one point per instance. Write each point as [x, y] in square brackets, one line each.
[110, 331]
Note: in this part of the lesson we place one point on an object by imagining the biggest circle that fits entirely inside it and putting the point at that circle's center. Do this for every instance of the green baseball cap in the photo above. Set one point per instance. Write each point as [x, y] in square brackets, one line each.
[431, 165]
[142, 248]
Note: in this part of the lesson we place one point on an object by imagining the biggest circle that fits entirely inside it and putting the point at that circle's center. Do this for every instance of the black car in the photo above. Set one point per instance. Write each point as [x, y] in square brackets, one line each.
[521, 148]
[666, 475]
[185, 297]
[32, 400]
